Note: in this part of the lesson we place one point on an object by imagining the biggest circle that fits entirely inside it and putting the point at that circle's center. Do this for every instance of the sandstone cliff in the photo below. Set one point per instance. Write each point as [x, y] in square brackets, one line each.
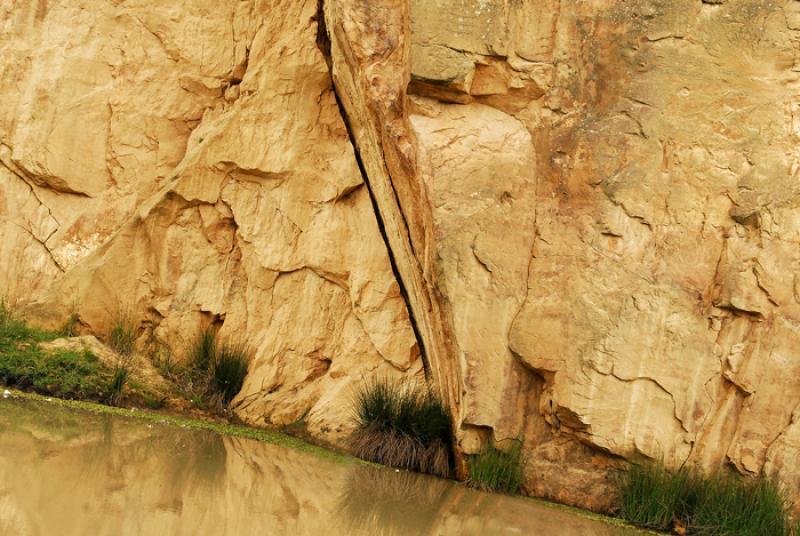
[578, 219]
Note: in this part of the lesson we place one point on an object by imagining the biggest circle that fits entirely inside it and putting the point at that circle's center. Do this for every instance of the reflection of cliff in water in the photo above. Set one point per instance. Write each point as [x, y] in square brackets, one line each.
[79, 473]
[382, 501]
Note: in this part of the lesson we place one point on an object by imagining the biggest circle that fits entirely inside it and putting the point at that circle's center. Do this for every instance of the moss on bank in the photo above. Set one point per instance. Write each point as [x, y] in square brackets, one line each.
[234, 430]
[23, 363]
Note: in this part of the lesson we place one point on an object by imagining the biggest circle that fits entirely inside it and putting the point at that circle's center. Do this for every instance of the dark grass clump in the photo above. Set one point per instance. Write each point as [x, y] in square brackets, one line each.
[117, 384]
[216, 371]
[203, 350]
[653, 497]
[710, 505]
[229, 370]
[122, 338]
[402, 426]
[497, 470]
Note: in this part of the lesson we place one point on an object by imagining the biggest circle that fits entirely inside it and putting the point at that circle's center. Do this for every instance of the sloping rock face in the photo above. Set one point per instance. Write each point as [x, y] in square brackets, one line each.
[257, 219]
[580, 219]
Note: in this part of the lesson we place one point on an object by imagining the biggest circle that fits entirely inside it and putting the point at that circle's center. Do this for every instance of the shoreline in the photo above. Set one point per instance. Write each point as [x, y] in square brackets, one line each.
[277, 438]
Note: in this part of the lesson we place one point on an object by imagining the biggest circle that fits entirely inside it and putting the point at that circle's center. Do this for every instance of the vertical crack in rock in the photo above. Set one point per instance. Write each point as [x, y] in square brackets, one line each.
[324, 45]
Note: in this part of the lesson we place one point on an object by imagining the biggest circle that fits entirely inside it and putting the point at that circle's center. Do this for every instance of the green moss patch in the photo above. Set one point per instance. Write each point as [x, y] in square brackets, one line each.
[234, 430]
[59, 372]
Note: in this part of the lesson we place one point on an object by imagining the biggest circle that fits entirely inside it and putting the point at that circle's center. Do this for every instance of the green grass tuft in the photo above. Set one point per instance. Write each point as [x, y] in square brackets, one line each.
[122, 338]
[203, 350]
[215, 371]
[117, 383]
[711, 505]
[70, 327]
[403, 426]
[229, 370]
[652, 497]
[497, 470]
[728, 505]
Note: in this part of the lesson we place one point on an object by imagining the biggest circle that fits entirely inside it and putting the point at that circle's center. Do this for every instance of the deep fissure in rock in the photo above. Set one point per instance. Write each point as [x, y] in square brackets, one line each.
[324, 45]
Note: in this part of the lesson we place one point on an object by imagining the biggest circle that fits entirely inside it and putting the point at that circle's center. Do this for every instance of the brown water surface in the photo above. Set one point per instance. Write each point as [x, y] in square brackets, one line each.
[71, 472]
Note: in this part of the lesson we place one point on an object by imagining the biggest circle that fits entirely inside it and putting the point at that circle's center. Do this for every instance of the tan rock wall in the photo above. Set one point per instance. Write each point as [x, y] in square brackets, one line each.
[583, 221]
[261, 225]
[660, 314]
[98, 104]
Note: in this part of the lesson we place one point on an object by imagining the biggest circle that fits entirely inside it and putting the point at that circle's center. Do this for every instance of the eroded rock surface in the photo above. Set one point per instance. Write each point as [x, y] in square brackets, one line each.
[261, 225]
[656, 227]
[580, 218]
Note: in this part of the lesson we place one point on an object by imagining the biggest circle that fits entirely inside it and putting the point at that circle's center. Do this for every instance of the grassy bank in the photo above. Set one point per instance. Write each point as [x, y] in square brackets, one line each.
[47, 362]
[404, 426]
[24, 364]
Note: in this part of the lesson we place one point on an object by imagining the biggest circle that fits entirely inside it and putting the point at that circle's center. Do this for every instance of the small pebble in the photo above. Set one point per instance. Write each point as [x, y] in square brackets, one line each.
[6, 393]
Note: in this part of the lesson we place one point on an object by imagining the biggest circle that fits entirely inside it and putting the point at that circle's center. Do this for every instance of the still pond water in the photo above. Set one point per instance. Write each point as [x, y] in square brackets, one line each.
[73, 472]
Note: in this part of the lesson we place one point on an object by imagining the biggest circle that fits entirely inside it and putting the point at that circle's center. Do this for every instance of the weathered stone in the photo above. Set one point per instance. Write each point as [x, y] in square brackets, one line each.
[655, 321]
[583, 224]
[263, 227]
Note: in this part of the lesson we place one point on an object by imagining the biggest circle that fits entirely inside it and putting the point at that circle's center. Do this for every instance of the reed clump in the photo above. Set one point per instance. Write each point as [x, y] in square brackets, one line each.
[230, 369]
[496, 469]
[405, 426]
[216, 369]
[119, 379]
[691, 502]
[122, 337]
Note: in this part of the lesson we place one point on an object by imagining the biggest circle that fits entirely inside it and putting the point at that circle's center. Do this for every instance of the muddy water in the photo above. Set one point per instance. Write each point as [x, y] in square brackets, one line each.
[70, 472]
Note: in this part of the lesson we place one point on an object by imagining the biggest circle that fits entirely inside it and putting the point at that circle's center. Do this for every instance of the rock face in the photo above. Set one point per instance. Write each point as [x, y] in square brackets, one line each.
[579, 219]
[628, 189]
[259, 222]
